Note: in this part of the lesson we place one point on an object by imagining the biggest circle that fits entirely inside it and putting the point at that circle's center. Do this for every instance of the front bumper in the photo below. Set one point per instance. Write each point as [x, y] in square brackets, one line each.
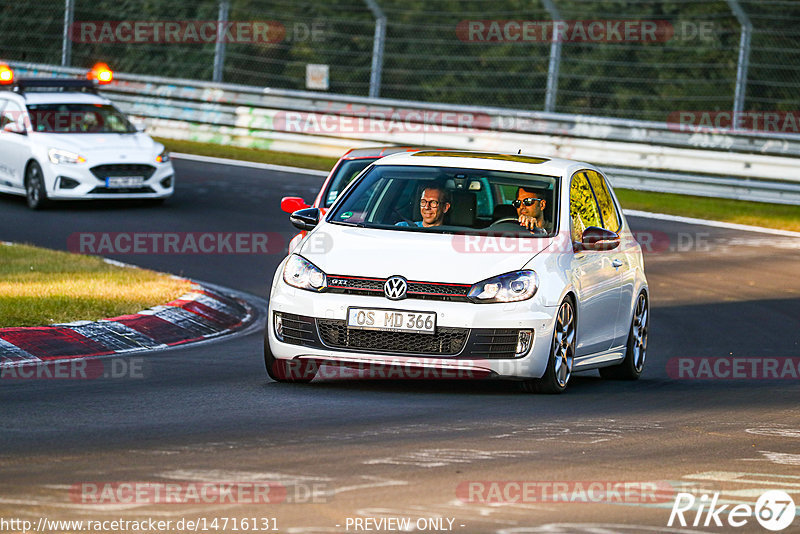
[74, 182]
[477, 322]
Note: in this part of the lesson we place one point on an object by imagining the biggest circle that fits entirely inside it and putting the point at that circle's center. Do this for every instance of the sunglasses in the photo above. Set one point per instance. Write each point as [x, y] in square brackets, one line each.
[527, 201]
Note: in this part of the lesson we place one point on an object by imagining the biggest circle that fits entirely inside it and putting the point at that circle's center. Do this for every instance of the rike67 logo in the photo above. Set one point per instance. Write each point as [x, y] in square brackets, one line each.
[774, 510]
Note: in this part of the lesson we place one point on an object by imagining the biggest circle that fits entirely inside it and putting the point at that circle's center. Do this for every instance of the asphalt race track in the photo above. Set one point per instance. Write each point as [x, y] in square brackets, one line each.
[445, 453]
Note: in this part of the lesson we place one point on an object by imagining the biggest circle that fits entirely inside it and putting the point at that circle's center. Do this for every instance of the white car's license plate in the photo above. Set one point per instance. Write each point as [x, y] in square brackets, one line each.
[124, 181]
[391, 320]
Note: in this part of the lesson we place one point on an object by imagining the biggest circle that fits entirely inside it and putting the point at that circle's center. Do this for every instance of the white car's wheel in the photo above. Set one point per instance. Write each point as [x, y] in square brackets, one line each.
[632, 366]
[562, 354]
[35, 192]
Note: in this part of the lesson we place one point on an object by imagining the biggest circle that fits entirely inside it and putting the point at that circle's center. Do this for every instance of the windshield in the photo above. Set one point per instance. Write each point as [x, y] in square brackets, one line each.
[450, 200]
[78, 118]
[345, 173]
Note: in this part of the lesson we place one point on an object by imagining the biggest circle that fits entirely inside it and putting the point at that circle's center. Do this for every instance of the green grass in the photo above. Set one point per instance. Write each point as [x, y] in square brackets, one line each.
[248, 154]
[40, 287]
[735, 211]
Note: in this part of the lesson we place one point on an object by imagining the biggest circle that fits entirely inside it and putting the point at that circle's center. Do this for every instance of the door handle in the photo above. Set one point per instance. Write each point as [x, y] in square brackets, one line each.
[617, 264]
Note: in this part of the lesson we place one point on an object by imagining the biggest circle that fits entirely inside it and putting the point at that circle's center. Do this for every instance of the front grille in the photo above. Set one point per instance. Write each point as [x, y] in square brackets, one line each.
[446, 341]
[352, 285]
[101, 172]
[492, 343]
[120, 190]
[299, 330]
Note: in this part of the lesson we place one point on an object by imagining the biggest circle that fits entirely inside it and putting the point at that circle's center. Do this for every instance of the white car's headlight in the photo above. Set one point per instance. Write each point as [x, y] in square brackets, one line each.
[163, 157]
[58, 156]
[509, 287]
[299, 272]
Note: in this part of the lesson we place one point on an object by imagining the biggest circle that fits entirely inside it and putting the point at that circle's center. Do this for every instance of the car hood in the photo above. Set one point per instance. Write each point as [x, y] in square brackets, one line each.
[353, 251]
[89, 144]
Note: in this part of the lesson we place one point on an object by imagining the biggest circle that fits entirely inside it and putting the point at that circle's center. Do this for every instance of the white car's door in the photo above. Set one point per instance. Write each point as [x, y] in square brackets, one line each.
[14, 145]
[596, 274]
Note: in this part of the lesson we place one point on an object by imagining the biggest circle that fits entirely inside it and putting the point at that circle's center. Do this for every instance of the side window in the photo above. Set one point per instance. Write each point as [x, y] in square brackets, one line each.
[582, 206]
[607, 209]
[10, 114]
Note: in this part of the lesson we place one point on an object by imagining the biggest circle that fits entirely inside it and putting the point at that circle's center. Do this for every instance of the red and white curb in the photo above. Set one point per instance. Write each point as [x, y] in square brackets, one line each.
[198, 315]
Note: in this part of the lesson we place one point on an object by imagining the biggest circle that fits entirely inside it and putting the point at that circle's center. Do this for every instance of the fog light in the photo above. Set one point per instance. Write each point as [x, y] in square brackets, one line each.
[67, 183]
[166, 183]
[524, 340]
[278, 326]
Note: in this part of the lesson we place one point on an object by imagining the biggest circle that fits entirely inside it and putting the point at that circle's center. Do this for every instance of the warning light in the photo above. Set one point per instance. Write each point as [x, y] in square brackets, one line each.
[6, 74]
[101, 73]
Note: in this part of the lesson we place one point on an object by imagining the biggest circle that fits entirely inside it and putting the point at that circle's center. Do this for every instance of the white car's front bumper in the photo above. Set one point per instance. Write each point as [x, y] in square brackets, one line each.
[474, 321]
[158, 183]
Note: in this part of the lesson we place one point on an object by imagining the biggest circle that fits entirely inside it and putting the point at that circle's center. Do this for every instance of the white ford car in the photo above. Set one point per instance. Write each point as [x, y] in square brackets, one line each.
[463, 264]
[61, 140]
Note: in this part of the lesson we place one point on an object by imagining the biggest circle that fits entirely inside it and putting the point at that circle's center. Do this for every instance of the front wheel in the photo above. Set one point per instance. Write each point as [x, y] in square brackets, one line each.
[562, 354]
[632, 366]
[35, 192]
[288, 371]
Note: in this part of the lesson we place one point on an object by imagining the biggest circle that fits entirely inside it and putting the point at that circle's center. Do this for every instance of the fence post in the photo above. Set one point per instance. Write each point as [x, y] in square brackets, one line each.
[555, 59]
[66, 44]
[744, 56]
[219, 49]
[377, 48]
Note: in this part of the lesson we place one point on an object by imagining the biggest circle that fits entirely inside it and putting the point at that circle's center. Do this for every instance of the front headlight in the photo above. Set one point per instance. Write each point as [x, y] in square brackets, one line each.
[301, 273]
[163, 157]
[58, 156]
[509, 287]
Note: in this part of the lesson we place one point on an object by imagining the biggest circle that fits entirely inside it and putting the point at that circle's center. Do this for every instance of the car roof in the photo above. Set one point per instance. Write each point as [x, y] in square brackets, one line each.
[46, 97]
[524, 163]
[380, 151]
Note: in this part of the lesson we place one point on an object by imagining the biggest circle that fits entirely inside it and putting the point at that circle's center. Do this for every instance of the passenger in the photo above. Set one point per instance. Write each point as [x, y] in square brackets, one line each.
[433, 204]
[530, 210]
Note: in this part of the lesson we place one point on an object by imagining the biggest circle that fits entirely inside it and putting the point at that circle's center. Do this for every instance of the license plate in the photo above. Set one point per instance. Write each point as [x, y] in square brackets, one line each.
[391, 320]
[124, 181]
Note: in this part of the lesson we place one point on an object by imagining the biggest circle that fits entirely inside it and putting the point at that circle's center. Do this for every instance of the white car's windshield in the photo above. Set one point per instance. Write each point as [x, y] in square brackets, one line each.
[447, 200]
[78, 118]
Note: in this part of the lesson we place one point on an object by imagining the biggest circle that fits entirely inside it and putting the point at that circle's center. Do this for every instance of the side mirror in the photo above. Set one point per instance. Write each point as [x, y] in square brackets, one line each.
[292, 204]
[596, 238]
[305, 219]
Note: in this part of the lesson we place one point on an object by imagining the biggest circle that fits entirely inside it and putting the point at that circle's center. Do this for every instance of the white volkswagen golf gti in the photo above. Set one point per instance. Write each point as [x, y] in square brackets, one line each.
[61, 140]
[464, 264]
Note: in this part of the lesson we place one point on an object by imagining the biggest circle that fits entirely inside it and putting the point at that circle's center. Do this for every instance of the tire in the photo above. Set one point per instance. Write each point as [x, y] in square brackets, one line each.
[288, 371]
[35, 192]
[636, 350]
[562, 354]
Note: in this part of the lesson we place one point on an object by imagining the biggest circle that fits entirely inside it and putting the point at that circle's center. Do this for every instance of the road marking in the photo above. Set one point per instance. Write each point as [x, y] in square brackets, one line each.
[706, 222]
[775, 431]
[249, 164]
[444, 457]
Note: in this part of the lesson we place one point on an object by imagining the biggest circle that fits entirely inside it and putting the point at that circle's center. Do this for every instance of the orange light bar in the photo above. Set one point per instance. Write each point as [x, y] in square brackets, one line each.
[101, 73]
[6, 75]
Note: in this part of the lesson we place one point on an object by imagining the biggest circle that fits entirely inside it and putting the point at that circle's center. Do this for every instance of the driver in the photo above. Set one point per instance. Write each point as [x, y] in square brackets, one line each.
[433, 204]
[530, 210]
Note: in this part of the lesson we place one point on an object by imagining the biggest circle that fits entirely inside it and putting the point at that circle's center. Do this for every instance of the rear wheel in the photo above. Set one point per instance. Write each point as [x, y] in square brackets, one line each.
[288, 371]
[632, 366]
[35, 192]
[562, 354]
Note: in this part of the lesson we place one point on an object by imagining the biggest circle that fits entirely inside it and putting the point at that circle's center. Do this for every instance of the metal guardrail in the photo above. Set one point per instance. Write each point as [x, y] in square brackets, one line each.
[636, 154]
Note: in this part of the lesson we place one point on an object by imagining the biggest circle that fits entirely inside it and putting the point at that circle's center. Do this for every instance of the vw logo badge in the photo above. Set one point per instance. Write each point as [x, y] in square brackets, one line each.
[395, 288]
